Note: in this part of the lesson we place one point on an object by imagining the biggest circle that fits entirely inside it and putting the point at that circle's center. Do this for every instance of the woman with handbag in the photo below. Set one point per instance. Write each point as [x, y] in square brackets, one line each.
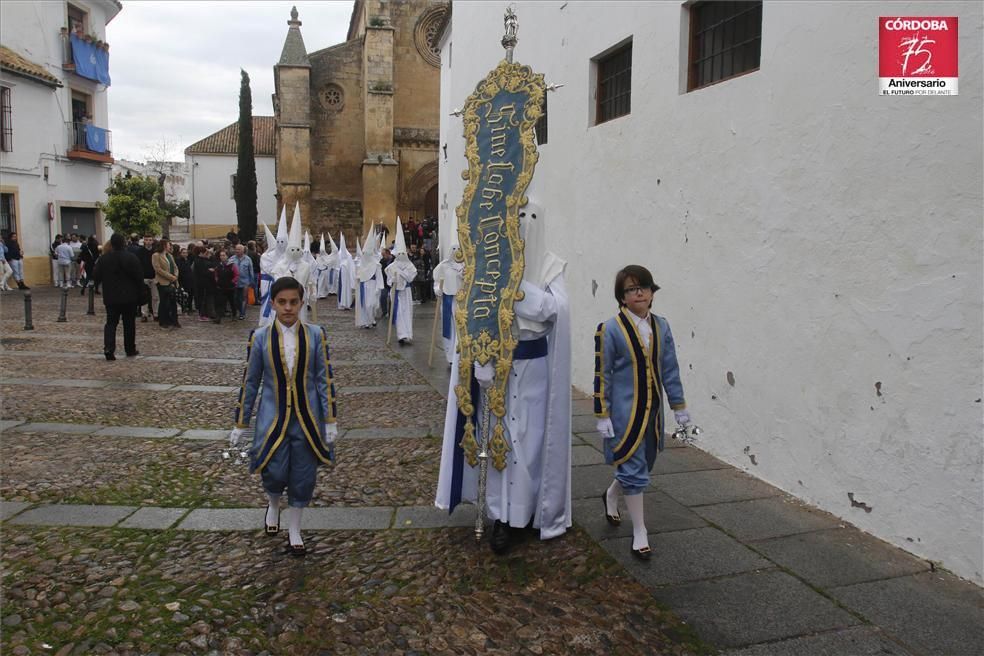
[166, 277]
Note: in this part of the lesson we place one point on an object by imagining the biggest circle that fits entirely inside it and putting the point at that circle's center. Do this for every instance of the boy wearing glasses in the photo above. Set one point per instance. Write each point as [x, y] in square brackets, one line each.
[635, 369]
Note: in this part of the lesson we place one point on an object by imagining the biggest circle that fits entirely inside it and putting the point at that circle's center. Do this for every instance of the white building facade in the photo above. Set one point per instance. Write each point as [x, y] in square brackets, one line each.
[212, 163]
[818, 245]
[57, 149]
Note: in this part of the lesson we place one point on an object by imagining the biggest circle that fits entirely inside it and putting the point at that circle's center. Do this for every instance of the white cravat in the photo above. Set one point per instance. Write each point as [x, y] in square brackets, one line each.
[645, 331]
[290, 345]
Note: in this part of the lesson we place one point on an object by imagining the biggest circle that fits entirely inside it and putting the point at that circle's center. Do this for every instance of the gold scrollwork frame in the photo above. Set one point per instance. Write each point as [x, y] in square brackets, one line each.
[514, 78]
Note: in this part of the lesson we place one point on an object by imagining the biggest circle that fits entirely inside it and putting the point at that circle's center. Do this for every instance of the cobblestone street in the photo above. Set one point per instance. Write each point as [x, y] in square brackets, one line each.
[125, 531]
[132, 455]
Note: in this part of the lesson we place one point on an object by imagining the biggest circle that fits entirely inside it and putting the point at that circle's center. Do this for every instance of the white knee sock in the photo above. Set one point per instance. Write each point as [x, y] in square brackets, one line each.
[611, 497]
[294, 525]
[639, 537]
[273, 510]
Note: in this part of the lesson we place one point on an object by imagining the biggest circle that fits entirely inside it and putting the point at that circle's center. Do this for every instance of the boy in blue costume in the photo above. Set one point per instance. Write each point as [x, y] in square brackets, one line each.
[635, 365]
[289, 369]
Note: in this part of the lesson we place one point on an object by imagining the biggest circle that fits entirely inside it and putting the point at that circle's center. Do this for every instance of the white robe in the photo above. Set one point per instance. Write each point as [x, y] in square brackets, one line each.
[448, 278]
[536, 482]
[400, 274]
[346, 279]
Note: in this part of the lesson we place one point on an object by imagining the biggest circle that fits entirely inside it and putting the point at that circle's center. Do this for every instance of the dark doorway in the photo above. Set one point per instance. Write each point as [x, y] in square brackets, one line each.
[430, 203]
[80, 220]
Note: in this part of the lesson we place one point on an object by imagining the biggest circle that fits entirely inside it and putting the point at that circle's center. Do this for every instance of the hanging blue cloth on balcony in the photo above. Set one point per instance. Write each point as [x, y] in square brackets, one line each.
[90, 62]
[95, 139]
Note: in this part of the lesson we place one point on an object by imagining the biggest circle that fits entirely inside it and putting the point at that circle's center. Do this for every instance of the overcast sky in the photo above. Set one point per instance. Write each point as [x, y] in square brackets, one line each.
[175, 65]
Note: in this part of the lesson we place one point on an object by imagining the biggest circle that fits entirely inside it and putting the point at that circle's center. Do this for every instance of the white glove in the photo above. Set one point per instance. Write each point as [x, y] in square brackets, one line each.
[437, 289]
[682, 417]
[330, 433]
[605, 427]
[484, 374]
[235, 436]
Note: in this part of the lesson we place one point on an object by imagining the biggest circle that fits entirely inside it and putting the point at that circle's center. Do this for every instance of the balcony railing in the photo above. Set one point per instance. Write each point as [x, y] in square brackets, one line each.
[86, 141]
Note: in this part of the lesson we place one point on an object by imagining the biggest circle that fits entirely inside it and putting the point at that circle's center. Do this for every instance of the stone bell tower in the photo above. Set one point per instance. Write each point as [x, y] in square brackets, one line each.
[292, 112]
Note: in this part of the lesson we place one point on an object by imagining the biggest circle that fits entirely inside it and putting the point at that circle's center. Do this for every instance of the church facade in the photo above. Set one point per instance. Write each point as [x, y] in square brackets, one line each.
[357, 123]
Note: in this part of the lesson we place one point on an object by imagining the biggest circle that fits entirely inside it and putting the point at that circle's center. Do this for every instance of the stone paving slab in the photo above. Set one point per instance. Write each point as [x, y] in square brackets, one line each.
[142, 387]
[7, 424]
[203, 434]
[584, 424]
[682, 556]
[715, 486]
[431, 517]
[24, 381]
[10, 508]
[72, 382]
[855, 641]
[338, 519]
[582, 454]
[207, 389]
[137, 431]
[582, 407]
[223, 519]
[840, 556]
[932, 612]
[166, 358]
[672, 461]
[750, 608]
[47, 427]
[661, 514]
[384, 433]
[591, 481]
[73, 515]
[154, 518]
[761, 519]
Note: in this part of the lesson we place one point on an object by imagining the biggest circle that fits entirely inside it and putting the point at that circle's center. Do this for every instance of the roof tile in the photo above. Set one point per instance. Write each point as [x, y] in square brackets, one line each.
[11, 61]
[226, 140]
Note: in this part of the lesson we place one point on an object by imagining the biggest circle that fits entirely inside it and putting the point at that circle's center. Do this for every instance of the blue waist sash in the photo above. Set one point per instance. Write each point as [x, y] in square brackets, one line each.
[531, 350]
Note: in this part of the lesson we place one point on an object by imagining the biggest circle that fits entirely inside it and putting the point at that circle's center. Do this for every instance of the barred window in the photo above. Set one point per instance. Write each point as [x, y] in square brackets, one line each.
[6, 124]
[614, 84]
[541, 124]
[725, 41]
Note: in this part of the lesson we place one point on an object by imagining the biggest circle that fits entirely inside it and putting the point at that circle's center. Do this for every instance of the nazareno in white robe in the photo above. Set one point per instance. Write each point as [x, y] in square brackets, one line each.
[536, 483]
[400, 274]
[346, 280]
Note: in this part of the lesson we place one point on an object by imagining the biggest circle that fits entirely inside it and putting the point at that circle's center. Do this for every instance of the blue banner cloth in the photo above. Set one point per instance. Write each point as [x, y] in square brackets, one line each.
[95, 139]
[90, 62]
[447, 313]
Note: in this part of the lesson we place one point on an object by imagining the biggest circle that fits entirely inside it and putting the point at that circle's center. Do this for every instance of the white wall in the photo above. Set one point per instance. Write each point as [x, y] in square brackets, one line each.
[39, 115]
[811, 237]
[210, 188]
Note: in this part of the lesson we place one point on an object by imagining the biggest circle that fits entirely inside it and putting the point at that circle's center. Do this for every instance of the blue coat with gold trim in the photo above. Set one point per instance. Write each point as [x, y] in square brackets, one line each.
[629, 384]
[308, 395]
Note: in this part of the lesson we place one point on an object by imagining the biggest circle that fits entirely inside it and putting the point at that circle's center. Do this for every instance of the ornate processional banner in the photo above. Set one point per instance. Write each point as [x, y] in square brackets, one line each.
[501, 150]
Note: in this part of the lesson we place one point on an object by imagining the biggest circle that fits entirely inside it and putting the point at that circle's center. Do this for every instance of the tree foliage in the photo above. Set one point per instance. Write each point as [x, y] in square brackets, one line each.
[132, 205]
[181, 209]
[245, 191]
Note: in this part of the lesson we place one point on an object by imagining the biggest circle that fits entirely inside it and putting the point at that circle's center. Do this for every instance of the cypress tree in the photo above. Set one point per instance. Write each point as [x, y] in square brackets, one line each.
[246, 170]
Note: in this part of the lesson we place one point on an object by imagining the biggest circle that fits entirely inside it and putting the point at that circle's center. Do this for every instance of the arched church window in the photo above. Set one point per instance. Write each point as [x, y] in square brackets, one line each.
[425, 32]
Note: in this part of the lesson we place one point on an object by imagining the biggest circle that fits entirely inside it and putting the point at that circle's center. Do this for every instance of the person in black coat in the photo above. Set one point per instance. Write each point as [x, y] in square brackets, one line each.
[204, 276]
[88, 255]
[122, 279]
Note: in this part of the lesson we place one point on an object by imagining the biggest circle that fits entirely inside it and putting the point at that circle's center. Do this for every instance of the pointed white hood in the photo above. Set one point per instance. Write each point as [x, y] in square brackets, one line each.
[400, 249]
[281, 239]
[295, 242]
[268, 236]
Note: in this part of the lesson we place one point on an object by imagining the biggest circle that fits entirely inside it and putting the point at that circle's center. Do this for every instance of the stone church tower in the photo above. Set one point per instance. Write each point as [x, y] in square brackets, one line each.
[357, 123]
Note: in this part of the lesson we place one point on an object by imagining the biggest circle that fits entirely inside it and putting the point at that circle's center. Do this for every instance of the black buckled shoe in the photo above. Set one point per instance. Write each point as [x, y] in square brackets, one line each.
[643, 554]
[499, 541]
[296, 550]
[614, 520]
[271, 530]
